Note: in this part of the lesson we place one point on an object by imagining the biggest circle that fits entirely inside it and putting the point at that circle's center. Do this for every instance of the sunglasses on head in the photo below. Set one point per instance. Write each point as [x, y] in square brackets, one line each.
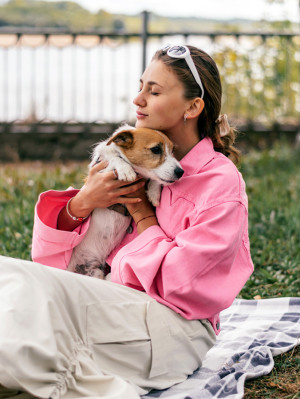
[184, 53]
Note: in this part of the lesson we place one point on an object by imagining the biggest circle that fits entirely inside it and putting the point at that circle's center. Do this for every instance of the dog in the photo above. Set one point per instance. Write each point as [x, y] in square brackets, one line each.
[129, 152]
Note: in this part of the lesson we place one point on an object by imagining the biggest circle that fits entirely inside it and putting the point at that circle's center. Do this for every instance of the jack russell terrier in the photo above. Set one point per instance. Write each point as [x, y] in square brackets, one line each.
[129, 151]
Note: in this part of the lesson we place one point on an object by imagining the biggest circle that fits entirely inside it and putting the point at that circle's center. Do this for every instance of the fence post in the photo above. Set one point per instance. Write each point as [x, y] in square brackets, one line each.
[145, 16]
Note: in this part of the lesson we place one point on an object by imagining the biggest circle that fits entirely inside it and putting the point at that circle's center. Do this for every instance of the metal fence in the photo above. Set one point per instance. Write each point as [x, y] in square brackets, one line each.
[53, 76]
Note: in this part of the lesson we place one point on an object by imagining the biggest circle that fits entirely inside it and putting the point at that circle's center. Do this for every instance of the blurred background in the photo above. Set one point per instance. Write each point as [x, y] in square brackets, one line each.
[74, 67]
[69, 71]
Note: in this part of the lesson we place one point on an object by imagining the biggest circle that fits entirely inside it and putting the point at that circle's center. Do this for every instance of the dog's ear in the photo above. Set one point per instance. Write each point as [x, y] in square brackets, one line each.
[123, 139]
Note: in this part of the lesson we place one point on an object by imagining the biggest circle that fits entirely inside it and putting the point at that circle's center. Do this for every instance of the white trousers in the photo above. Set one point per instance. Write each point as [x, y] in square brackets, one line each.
[64, 335]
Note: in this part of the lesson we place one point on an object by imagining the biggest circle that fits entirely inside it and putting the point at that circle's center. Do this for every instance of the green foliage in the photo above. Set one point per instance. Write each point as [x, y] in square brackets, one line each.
[70, 15]
[40, 14]
[261, 83]
[66, 14]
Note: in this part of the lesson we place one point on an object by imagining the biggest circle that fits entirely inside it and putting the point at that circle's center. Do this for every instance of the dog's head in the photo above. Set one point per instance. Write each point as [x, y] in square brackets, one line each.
[150, 152]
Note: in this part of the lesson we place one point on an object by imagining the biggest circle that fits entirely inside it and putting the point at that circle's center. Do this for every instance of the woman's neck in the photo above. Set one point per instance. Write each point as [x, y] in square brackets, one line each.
[183, 141]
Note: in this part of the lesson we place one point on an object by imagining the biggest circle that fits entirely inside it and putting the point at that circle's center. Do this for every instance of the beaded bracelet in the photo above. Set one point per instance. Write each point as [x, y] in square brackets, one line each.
[79, 219]
[146, 217]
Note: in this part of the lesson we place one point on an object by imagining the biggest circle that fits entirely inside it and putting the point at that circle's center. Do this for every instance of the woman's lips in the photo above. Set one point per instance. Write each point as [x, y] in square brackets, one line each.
[140, 115]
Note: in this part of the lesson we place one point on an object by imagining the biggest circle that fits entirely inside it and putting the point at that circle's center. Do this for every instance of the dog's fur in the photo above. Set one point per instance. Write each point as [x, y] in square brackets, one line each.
[129, 151]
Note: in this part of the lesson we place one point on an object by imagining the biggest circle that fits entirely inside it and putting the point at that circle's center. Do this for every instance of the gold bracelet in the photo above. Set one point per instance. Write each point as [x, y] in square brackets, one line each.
[146, 217]
[79, 219]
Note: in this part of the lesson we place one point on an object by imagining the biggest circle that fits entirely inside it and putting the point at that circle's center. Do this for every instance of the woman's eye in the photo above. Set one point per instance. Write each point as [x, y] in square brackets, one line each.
[154, 93]
[156, 150]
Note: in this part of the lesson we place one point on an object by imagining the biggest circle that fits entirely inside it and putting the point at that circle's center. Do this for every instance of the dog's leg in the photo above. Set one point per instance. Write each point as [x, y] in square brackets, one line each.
[124, 170]
[112, 154]
[106, 231]
[153, 192]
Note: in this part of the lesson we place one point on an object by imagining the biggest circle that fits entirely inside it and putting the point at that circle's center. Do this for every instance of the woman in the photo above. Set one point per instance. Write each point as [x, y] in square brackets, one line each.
[176, 269]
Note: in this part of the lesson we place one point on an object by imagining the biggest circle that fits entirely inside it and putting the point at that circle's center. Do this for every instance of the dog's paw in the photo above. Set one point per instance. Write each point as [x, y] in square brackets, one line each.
[153, 192]
[126, 173]
[97, 273]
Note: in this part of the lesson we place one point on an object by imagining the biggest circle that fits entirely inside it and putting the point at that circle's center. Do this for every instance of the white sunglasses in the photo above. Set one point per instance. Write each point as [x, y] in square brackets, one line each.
[184, 52]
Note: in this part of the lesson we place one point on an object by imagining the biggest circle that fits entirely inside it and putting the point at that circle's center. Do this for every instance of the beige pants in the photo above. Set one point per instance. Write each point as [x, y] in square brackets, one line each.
[64, 335]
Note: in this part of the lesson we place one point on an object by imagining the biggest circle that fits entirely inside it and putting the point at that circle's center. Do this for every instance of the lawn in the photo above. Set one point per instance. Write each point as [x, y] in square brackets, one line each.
[273, 185]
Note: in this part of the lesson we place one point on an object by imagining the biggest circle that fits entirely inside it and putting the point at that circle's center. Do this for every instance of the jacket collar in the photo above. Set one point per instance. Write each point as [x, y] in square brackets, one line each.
[198, 156]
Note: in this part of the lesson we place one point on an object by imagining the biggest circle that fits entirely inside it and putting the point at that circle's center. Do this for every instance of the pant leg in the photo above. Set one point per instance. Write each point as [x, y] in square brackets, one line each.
[43, 348]
[67, 335]
[148, 343]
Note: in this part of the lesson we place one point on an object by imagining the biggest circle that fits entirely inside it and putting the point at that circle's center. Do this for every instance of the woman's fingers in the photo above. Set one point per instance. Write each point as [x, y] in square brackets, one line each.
[131, 188]
[98, 167]
[105, 189]
[128, 200]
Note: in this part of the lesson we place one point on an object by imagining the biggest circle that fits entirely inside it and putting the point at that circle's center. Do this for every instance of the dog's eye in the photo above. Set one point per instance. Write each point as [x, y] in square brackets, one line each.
[156, 150]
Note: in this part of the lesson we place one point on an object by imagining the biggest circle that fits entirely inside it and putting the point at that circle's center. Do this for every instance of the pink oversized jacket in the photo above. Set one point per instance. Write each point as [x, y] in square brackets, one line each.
[198, 258]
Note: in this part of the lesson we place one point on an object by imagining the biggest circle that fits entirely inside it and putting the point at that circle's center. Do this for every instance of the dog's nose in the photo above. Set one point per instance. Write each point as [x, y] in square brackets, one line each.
[178, 172]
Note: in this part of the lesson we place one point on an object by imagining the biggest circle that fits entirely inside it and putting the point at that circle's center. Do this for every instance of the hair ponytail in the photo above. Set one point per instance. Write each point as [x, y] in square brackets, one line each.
[225, 145]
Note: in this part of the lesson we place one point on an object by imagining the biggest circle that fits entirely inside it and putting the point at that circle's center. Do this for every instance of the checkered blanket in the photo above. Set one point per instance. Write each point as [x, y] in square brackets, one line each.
[252, 333]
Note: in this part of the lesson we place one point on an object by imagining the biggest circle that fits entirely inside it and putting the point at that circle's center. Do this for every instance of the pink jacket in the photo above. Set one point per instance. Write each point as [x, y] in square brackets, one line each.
[196, 261]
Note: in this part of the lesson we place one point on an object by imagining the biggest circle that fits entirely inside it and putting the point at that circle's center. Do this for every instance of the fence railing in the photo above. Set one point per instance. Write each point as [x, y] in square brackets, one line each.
[53, 76]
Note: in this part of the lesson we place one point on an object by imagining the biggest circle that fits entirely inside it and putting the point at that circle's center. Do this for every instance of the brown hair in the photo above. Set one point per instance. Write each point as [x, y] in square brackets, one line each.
[210, 77]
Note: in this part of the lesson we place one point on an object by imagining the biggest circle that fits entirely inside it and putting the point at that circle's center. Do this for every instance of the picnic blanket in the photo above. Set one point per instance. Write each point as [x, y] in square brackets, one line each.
[253, 331]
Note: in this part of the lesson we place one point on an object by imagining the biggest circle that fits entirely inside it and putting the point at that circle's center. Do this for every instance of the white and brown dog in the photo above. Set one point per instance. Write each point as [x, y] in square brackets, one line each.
[129, 151]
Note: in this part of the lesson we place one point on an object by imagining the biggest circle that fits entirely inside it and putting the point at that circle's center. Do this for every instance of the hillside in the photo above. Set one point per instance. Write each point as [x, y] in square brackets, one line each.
[71, 16]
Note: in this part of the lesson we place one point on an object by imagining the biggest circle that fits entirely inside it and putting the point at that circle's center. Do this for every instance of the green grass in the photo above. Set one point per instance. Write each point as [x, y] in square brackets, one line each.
[273, 186]
[282, 383]
[20, 186]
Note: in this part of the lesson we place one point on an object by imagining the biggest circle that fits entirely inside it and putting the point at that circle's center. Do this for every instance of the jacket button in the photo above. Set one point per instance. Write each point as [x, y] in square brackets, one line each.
[218, 325]
[129, 229]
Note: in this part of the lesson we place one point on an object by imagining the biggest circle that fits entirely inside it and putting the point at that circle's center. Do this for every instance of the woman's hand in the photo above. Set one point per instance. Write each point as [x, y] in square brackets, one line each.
[101, 190]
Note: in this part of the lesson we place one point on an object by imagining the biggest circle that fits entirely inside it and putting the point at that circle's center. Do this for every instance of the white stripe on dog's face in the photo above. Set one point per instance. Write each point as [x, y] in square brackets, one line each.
[166, 172]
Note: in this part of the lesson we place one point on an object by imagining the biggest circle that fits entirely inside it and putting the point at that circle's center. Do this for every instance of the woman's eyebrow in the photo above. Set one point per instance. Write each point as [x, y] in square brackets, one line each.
[151, 83]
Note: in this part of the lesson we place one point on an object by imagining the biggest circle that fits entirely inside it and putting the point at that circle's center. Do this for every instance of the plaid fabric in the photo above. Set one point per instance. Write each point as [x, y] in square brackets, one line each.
[252, 333]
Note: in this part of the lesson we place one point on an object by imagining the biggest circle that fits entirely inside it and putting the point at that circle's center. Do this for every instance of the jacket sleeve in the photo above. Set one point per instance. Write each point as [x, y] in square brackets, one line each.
[52, 247]
[200, 271]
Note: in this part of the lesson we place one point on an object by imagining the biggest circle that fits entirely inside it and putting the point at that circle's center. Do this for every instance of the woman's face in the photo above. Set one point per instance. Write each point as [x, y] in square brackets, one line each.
[160, 102]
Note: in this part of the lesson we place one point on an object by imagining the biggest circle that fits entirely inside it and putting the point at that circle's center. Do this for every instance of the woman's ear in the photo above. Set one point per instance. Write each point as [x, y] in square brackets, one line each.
[195, 108]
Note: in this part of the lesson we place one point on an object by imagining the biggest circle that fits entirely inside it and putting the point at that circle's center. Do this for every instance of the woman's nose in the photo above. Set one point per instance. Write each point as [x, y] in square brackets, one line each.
[139, 100]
